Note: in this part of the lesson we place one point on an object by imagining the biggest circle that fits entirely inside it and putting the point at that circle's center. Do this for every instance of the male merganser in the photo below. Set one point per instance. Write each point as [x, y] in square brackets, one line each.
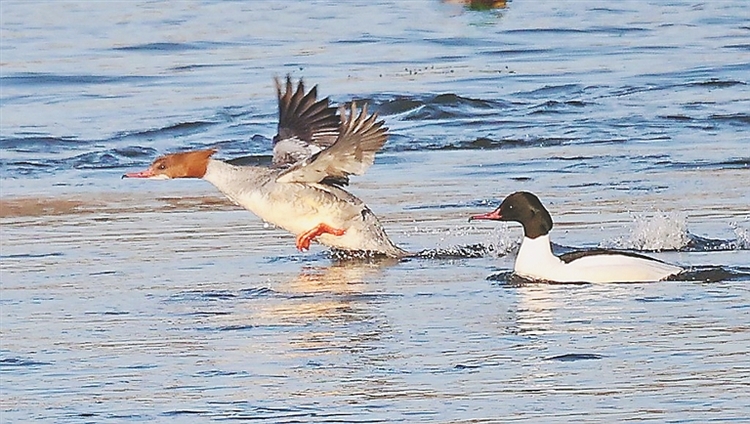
[535, 259]
[303, 196]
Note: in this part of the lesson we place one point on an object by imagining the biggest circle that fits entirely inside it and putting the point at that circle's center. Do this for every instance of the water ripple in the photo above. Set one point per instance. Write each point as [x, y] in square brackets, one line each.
[172, 47]
[572, 357]
[20, 363]
[46, 79]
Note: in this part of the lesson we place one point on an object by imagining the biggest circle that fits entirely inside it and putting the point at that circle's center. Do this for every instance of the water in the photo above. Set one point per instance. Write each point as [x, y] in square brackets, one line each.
[132, 301]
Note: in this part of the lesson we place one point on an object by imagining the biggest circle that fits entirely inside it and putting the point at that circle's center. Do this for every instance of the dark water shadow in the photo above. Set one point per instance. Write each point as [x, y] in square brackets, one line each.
[712, 274]
[704, 274]
[573, 357]
[16, 362]
[468, 251]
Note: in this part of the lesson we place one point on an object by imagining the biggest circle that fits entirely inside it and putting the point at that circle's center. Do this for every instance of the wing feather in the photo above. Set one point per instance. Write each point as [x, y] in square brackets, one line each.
[360, 137]
[306, 125]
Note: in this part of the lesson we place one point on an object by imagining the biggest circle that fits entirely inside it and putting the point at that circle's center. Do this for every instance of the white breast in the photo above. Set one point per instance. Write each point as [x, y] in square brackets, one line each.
[294, 207]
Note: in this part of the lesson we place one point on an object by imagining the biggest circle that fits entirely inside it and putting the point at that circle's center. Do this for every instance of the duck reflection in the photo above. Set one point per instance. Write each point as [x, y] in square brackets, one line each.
[339, 292]
[333, 324]
[536, 306]
[537, 303]
[330, 303]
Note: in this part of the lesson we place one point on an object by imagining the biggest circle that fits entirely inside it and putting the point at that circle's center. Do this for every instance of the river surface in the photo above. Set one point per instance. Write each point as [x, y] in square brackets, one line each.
[160, 301]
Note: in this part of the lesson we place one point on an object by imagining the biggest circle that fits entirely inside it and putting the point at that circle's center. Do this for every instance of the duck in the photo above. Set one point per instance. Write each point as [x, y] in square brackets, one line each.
[316, 149]
[535, 260]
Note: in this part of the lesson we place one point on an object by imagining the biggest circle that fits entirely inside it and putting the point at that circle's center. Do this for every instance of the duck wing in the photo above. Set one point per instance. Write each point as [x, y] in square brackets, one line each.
[306, 125]
[578, 254]
[360, 137]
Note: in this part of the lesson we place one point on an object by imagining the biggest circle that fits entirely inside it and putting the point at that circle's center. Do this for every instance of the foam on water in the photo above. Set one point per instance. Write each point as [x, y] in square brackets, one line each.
[496, 242]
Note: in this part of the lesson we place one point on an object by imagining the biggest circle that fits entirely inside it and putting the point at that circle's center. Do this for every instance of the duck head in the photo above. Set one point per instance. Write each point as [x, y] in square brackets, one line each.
[191, 164]
[525, 208]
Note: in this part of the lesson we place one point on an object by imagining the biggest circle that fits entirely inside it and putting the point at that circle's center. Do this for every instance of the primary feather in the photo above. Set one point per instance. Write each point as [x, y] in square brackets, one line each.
[360, 138]
[306, 125]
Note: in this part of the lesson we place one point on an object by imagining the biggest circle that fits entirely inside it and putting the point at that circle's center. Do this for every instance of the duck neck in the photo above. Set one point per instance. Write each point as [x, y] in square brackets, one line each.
[535, 255]
[234, 180]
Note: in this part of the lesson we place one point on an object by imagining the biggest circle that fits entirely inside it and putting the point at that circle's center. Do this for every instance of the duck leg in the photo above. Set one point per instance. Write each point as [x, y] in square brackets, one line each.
[304, 239]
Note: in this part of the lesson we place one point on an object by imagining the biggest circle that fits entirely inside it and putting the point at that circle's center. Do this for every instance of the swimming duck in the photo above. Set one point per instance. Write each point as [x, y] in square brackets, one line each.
[536, 261]
[315, 152]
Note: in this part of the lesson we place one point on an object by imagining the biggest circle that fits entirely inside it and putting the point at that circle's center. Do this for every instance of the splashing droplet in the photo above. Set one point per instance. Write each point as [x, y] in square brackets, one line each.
[662, 231]
[743, 236]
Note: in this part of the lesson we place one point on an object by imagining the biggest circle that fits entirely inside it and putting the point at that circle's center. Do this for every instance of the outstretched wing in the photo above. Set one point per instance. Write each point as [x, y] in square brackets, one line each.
[306, 125]
[360, 137]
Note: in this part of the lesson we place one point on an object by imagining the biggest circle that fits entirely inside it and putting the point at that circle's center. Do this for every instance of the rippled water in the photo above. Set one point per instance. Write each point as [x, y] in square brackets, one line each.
[132, 301]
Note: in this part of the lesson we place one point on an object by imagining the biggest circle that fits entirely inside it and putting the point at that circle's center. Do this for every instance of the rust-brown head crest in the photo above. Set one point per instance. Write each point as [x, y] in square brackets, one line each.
[191, 164]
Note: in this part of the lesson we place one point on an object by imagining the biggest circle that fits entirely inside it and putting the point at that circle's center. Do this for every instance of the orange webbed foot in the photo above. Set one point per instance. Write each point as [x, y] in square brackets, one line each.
[304, 239]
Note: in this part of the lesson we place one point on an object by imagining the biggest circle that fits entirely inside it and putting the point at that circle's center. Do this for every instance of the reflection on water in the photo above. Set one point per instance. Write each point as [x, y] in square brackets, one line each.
[331, 293]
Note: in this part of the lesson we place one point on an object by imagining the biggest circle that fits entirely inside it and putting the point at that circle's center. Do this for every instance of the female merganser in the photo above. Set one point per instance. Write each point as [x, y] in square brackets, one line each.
[306, 126]
[535, 259]
[303, 196]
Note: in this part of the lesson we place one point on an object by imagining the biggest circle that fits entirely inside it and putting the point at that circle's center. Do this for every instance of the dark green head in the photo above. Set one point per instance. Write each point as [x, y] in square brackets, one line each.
[525, 208]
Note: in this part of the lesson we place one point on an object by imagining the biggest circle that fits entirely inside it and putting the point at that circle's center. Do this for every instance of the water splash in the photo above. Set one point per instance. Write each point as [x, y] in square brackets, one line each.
[498, 242]
[742, 234]
[668, 231]
[704, 244]
[361, 256]
[662, 231]
[457, 252]
[503, 240]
